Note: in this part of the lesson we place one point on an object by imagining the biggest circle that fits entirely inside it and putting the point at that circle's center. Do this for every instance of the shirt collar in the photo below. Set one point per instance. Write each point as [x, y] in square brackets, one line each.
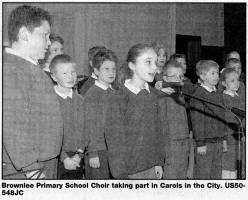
[93, 75]
[64, 96]
[134, 89]
[46, 68]
[208, 88]
[102, 86]
[230, 93]
[14, 52]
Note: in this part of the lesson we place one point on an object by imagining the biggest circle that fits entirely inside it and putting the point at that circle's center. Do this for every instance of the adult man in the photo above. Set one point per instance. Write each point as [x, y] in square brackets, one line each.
[32, 123]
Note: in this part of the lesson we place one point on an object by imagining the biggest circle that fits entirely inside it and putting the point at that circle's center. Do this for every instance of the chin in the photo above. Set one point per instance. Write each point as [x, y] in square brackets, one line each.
[149, 79]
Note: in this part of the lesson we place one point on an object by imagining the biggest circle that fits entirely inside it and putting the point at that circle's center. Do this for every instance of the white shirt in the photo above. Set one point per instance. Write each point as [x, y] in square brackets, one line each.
[208, 88]
[230, 93]
[46, 68]
[134, 89]
[64, 96]
[13, 52]
[102, 86]
[93, 75]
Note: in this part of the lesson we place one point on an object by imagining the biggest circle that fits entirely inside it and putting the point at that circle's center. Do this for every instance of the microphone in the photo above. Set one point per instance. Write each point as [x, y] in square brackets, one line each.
[187, 90]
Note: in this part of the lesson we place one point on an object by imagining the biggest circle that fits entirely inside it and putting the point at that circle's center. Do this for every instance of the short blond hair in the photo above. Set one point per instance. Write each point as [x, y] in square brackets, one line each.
[203, 66]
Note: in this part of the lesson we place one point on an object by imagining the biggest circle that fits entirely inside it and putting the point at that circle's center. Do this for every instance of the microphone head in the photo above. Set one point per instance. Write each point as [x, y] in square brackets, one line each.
[177, 86]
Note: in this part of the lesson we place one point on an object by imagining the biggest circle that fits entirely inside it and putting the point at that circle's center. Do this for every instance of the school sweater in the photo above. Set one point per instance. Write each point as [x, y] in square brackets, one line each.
[86, 86]
[174, 117]
[32, 122]
[96, 105]
[232, 123]
[140, 145]
[207, 119]
[74, 138]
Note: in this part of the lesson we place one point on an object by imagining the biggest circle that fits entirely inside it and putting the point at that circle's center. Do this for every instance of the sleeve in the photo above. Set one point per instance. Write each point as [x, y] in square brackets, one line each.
[197, 117]
[17, 138]
[115, 138]
[82, 137]
[63, 155]
[93, 123]
[164, 128]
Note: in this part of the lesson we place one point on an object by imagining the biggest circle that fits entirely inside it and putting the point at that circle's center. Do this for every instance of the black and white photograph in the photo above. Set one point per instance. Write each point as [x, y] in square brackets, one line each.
[139, 100]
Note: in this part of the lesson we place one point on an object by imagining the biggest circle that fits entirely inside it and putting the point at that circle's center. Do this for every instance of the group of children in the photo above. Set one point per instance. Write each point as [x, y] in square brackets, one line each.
[132, 130]
[121, 124]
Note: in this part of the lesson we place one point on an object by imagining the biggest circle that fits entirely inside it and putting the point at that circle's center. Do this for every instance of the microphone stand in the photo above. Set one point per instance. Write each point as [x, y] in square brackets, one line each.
[235, 112]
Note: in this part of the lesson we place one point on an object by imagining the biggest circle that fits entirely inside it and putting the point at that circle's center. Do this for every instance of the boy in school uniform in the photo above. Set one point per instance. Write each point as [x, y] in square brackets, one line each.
[175, 126]
[63, 72]
[231, 83]
[55, 48]
[234, 63]
[97, 100]
[84, 85]
[32, 122]
[208, 123]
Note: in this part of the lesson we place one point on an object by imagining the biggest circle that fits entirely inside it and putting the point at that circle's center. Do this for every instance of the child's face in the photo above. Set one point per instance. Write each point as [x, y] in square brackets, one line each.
[232, 82]
[182, 62]
[107, 72]
[55, 49]
[234, 55]
[211, 77]
[161, 57]
[65, 75]
[145, 67]
[236, 67]
[174, 75]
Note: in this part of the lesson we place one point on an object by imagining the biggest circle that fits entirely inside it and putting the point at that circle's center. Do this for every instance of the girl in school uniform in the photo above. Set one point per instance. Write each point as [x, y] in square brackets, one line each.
[136, 147]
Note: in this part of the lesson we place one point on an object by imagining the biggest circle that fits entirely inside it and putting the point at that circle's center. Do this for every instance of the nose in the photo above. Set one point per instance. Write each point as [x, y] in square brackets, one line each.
[48, 42]
[154, 66]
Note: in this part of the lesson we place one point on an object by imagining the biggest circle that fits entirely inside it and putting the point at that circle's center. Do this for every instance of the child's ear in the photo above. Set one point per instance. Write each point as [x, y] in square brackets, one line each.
[53, 77]
[90, 63]
[96, 71]
[223, 83]
[23, 34]
[202, 76]
[131, 66]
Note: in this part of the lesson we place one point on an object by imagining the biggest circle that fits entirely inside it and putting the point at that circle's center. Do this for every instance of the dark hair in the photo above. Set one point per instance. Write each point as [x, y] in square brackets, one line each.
[171, 64]
[59, 59]
[28, 16]
[226, 72]
[103, 55]
[203, 66]
[133, 53]
[176, 56]
[232, 61]
[56, 38]
[93, 51]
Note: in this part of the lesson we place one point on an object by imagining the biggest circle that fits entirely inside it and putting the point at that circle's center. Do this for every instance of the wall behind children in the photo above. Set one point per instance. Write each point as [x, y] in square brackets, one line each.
[119, 26]
[116, 26]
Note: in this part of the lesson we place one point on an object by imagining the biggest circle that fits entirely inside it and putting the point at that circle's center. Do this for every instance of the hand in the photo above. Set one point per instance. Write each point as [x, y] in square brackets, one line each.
[224, 146]
[158, 85]
[202, 150]
[69, 164]
[168, 90]
[190, 134]
[76, 159]
[94, 162]
[35, 174]
[190, 172]
[158, 172]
